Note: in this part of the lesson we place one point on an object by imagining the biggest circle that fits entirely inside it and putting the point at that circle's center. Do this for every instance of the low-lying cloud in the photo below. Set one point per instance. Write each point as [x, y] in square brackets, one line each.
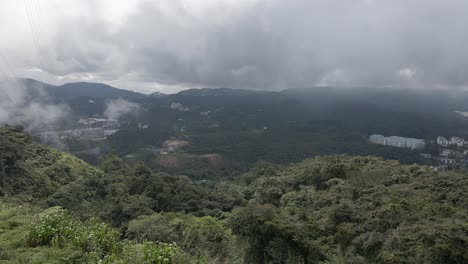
[30, 109]
[115, 109]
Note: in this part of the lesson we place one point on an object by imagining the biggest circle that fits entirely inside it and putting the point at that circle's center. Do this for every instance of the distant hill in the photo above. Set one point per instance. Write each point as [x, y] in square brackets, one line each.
[157, 95]
[82, 89]
[85, 99]
[217, 92]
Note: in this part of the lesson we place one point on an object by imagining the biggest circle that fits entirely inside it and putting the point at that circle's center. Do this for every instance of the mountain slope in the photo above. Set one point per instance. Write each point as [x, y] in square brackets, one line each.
[34, 170]
[330, 209]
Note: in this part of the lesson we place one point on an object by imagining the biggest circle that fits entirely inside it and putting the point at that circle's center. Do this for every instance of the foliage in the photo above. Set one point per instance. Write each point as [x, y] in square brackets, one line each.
[57, 237]
[329, 209]
[364, 210]
[200, 236]
[34, 170]
[59, 229]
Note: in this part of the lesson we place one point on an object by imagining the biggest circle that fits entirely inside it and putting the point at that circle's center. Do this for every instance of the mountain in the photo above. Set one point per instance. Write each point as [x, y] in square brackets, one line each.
[157, 95]
[84, 99]
[217, 92]
[82, 89]
[97, 90]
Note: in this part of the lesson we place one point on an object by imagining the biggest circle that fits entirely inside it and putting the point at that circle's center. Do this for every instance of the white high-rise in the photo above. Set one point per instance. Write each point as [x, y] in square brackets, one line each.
[401, 142]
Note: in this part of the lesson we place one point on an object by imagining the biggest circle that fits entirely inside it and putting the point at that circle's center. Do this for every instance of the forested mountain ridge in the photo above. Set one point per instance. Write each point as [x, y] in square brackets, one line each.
[80, 89]
[330, 209]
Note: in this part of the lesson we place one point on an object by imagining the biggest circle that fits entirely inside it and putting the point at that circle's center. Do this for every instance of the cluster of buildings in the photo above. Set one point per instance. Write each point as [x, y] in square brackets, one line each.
[453, 141]
[395, 141]
[448, 159]
[98, 122]
[452, 153]
[79, 133]
[87, 128]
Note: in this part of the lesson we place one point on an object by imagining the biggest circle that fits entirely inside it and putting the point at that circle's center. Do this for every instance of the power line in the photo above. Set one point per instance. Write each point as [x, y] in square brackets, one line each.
[43, 35]
[36, 38]
[34, 35]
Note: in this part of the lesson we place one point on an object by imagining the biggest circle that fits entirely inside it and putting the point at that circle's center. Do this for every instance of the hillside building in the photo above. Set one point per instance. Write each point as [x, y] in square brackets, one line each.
[460, 142]
[443, 141]
[454, 141]
[395, 141]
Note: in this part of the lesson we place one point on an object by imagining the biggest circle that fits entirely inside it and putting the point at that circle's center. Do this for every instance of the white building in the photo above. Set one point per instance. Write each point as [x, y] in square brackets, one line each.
[443, 141]
[401, 142]
[109, 132]
[426, 155]
[447, 161]
[455, 141]
[460, 142]
[446, 152]
[377, 139]
[88, 133]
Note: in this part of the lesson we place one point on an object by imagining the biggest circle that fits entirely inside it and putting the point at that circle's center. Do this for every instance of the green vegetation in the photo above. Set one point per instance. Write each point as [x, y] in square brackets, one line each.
[34, 170]
[354, 210]
[56, 237]
[59, 229]
[200, 236]
[332, 209]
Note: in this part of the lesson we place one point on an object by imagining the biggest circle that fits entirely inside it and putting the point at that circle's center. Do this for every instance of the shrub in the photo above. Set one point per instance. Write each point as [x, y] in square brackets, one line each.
[97, 241]
[59, 229]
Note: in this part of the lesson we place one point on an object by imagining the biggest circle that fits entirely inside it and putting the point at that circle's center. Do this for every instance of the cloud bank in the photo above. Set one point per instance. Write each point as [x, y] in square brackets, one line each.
[259, 44]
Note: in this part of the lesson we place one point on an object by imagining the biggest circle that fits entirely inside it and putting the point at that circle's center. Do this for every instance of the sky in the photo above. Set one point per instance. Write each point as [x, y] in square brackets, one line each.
[170, 45]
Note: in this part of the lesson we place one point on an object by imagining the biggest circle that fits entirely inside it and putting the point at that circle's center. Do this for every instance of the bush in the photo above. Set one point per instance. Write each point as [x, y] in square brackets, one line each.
[98, 242]
[59, 229]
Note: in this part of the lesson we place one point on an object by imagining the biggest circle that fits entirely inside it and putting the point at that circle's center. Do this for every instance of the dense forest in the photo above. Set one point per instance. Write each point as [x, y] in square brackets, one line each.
[56, 208]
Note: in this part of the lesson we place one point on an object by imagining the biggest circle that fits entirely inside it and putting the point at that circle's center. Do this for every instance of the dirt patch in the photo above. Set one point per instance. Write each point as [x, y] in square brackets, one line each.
[175, 143]
[214, 159]
[187, 160]
[169, 161]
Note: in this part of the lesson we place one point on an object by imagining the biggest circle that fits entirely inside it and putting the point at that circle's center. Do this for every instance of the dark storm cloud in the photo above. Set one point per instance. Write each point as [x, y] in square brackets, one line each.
[272, 44]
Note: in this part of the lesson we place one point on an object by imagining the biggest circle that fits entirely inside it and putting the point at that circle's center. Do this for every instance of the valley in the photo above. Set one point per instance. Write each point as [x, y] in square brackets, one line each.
[56, 207]
[235, 176]
[243, 127]
[233, 132]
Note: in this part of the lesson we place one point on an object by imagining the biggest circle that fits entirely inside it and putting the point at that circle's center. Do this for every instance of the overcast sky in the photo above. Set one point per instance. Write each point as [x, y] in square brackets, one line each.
[168, 45]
